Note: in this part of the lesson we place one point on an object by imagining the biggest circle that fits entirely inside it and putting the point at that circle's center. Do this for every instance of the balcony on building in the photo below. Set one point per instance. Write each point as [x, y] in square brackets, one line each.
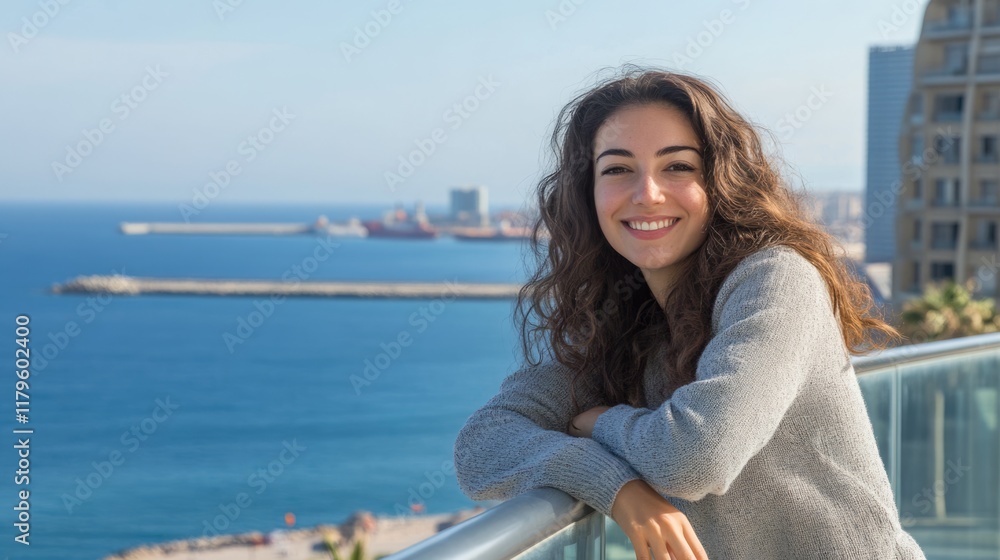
[944, 236]
[985, 236]
[950, 67]
[991, 17]
[952, 21]
[915, 204]
[947, 193]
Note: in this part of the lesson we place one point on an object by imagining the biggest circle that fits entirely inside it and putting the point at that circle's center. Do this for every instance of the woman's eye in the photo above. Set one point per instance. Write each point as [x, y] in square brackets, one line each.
[680, 167]
[610, 170]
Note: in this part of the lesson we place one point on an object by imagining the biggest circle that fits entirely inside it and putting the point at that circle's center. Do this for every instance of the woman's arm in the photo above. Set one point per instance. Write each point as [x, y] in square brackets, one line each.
[769, 312]
[516, 442]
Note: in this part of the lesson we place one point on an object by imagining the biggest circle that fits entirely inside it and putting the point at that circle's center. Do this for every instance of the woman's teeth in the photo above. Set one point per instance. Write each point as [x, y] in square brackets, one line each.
[650, 226]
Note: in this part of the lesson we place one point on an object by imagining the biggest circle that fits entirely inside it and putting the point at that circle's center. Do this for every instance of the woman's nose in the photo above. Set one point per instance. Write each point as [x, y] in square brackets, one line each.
[647, 190]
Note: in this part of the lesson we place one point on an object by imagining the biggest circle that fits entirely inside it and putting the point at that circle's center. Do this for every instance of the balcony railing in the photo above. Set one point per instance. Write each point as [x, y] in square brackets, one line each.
[988, 202]
[934, 408]
[948, 116]
[946, 244]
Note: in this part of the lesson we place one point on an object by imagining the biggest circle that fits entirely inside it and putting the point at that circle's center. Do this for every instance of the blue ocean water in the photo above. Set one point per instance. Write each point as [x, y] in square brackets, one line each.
[148, 427]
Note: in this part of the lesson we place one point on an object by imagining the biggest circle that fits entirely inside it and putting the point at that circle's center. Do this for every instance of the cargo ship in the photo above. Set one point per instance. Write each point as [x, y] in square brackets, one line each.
[397, 225]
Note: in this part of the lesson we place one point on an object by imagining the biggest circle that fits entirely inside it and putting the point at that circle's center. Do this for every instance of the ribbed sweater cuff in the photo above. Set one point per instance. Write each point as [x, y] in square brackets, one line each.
[598, 476]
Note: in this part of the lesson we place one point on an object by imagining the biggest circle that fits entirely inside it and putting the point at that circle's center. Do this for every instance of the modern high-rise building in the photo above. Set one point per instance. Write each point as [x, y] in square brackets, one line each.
[949, 205]
[470, 205]
[890, 77]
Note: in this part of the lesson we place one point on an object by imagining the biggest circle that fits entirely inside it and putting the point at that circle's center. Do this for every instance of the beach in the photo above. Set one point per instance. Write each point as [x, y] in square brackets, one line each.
[381, 535]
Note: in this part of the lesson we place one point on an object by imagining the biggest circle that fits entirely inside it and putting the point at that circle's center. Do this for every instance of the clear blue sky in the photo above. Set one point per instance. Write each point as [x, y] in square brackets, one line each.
[199, 80]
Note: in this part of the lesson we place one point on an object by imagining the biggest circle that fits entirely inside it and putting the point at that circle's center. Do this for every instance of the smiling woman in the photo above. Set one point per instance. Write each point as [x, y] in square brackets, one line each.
[718, 412]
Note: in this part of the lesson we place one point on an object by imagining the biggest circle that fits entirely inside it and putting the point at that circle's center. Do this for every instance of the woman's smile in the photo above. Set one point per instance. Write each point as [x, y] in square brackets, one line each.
[650, 229]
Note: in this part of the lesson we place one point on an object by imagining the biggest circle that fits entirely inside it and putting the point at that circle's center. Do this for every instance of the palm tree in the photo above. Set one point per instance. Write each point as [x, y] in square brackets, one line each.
[948, 311]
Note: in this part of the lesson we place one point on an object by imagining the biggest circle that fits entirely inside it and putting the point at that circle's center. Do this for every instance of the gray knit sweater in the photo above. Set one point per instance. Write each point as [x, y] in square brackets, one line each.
[769, 453]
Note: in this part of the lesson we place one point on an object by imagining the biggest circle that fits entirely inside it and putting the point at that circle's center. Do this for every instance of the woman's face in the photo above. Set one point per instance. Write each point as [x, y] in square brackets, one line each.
[649, 189]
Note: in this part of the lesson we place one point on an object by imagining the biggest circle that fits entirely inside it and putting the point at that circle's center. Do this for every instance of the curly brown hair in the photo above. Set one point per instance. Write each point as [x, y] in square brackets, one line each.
[589, 308]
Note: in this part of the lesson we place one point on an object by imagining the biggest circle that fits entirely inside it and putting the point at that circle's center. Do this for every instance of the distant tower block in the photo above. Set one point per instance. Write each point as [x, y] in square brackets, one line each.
[890, 77]
[470, 206]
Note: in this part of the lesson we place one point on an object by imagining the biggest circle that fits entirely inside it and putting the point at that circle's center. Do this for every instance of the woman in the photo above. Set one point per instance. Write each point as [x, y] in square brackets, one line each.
[706, 327]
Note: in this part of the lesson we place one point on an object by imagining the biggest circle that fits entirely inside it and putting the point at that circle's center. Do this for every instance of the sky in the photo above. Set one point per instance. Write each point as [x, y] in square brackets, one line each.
[386, 102]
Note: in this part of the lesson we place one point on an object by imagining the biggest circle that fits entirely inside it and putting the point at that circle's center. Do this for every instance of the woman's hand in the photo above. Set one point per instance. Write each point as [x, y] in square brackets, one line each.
[582, 425]
[651, 522]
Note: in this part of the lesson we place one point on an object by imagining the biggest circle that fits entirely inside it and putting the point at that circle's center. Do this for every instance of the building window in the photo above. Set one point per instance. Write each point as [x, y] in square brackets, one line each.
[948, 147]
[956, 56]
[918, 189]
[941, 271]
[986, 235]
[988, 149]
[990, 105]
[989, 56]
[948, 107]
[946, 192]
[944, 235]
[989, 192]
[916, 276]
[916, 229]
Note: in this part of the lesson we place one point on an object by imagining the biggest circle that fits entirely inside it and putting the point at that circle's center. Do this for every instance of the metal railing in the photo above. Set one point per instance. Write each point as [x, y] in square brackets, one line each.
[546, 522]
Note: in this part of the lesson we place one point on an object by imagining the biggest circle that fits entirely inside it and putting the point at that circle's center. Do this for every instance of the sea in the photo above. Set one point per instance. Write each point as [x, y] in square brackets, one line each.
[162, 417]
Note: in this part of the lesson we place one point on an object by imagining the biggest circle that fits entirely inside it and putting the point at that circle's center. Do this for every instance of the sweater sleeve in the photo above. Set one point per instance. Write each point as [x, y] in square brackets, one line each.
[768, 312]
[517, 442]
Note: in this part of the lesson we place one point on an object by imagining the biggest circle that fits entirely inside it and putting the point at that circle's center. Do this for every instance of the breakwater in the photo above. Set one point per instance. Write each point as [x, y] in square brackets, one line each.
[352, 228]
[128, 285]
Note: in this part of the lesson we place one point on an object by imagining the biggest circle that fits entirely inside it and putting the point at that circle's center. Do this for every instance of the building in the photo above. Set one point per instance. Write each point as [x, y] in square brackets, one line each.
[470, 206]
[839, 212]
[890, 76]
[946, 227]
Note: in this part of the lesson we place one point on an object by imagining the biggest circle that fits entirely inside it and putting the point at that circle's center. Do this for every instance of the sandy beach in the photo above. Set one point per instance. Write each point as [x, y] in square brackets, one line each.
[382, 535]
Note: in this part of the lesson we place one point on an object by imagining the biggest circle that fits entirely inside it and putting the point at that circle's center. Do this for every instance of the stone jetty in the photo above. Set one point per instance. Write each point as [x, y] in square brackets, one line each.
[128, 285]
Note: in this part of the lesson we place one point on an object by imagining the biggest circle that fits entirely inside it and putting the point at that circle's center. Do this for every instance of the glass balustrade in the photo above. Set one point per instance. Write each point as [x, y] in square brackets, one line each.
[934, 408]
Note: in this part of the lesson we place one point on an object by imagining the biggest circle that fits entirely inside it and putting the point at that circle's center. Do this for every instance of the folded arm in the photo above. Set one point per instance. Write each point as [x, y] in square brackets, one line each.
[697, 442]
[516, 442]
